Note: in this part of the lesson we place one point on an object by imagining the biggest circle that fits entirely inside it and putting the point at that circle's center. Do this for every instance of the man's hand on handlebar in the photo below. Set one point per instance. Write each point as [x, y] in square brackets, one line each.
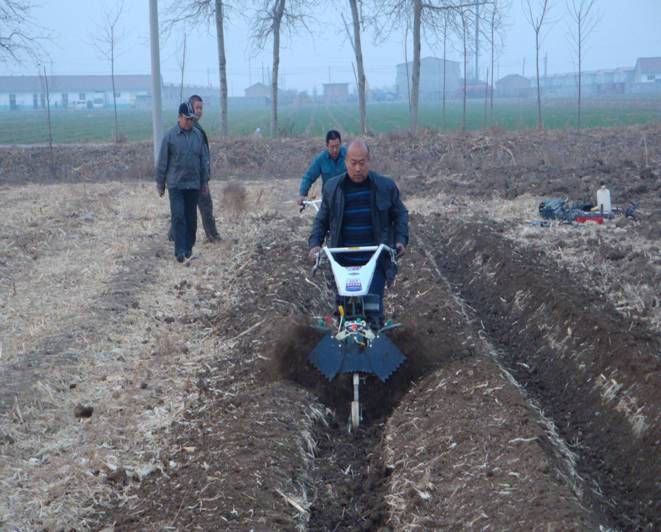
[312, 254]
[401, 249]
[300, 200]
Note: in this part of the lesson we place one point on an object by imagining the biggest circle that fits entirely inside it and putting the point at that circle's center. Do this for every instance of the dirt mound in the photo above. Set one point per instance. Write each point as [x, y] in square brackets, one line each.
[591, 371]
[234, 199]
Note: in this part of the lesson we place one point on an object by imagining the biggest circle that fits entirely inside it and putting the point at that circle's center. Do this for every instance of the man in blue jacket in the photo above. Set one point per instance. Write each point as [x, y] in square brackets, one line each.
[327, 164]
[362, 208]
[183, 166]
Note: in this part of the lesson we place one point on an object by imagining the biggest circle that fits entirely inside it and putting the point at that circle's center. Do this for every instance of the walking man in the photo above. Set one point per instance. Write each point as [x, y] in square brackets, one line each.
[327, 164]
[362, 208]
[183, 166]
[204, 203]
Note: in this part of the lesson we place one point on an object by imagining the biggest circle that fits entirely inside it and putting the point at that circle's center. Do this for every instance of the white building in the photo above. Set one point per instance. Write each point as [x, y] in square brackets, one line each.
[431, 79]
[648, 70]
[73, 92]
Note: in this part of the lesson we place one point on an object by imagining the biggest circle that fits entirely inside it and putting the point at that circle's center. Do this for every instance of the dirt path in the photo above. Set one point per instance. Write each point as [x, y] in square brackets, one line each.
[122, 334]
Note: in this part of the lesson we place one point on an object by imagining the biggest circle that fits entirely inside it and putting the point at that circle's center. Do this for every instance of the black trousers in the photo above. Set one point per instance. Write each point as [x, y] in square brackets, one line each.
[183, 219]
[205, 204]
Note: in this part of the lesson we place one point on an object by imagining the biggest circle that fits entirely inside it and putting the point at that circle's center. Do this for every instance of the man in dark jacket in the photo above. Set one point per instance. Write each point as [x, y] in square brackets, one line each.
[362, 208]
[204, 203]
[183, 165]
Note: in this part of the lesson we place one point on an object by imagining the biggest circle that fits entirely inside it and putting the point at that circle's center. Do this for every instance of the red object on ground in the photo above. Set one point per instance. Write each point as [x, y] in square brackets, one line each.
[596, 219]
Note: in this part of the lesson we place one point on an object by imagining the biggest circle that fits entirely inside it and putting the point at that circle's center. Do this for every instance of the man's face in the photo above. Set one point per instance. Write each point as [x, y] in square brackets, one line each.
[198, 107]
[185, 123]
[357, 163]
[333, 148]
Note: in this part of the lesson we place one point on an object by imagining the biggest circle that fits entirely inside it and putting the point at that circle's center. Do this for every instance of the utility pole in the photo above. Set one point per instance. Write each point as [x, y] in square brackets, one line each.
[523, 68]
[156, 104]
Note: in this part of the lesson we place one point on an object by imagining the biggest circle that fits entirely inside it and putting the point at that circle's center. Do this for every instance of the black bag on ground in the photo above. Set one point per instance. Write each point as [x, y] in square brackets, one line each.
[553, 209]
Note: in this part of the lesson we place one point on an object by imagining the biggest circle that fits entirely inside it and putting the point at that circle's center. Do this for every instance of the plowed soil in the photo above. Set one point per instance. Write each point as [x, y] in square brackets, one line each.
[529, 398]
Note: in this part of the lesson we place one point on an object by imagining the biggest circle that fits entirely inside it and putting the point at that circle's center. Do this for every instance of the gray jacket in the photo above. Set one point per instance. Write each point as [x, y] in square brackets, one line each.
[183, 161]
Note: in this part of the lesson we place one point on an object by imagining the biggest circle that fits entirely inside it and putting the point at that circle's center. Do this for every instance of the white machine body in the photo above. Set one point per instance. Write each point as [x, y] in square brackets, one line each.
[354, 281]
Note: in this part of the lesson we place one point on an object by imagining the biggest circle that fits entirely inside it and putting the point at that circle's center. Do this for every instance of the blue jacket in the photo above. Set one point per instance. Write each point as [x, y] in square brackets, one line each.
[326, 167]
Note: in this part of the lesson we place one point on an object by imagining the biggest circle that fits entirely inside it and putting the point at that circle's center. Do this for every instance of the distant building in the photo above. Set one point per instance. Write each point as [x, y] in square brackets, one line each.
[73, 92]
[260, 94]
[336, 93]
[431, 79]
[258, 90]
[593, 83]
[513, 86]
[647, 70]
[303, 98]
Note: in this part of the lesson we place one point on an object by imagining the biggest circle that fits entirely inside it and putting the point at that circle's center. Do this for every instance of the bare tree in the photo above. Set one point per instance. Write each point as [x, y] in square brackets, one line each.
[445, 26]
[270, 17]
[536, 13]
[356, 12]
[421, 13]
[584, 18]
[19, 37]
[106, 40]
[464, 28]
[48, 120]
[198, 12]
[496, 25]
[182, 67]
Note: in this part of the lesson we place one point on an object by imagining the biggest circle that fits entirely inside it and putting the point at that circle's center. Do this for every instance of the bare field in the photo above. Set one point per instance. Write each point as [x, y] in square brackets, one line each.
[529, 399]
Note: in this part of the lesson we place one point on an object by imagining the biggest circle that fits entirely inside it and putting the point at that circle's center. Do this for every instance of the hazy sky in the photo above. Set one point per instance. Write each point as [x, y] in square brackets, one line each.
[626, 30]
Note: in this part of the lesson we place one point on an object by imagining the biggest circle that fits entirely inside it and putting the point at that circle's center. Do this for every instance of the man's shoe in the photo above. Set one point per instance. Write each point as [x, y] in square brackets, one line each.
[180, 258]
[214, 238]
[189, 253]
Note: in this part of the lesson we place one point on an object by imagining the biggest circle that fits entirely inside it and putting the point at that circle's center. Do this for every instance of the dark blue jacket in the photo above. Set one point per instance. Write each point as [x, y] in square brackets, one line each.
[390, 219]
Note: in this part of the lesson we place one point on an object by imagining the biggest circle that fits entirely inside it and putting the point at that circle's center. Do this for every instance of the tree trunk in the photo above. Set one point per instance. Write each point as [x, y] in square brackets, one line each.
[415, 81]
[580, 73]
[222, 67]
[465, 31]
[183, 70]
[493, 46]
[358, 50]
[112, 77]
[539, 90]
[486, 101]
[445, 40]
[277, 21]
[50, 126]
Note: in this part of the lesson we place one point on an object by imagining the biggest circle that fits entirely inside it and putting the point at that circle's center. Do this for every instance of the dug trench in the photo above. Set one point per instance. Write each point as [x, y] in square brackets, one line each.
[591, 370]
[449, 439]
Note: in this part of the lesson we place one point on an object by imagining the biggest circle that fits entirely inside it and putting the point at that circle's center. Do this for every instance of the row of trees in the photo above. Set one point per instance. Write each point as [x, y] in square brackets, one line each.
[436, 21]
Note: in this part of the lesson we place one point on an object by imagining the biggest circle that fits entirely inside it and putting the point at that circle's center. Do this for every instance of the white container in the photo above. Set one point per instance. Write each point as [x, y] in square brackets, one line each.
[604, 200]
